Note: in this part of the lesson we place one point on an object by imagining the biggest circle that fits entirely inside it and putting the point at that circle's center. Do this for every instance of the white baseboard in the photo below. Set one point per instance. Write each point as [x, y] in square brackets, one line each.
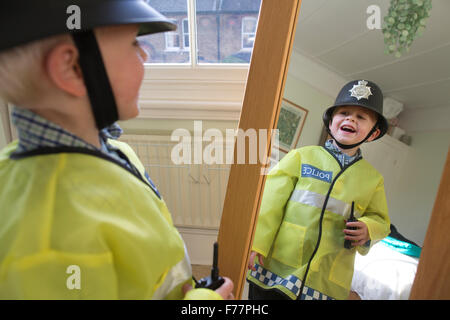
[199, 243]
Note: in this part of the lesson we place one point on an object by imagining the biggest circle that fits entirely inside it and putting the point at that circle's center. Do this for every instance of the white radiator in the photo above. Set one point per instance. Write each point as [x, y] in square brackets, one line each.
[194, 193]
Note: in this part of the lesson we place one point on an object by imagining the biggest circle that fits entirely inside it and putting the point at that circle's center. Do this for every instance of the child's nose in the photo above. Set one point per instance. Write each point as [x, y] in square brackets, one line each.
[143, 53]
[349, 117]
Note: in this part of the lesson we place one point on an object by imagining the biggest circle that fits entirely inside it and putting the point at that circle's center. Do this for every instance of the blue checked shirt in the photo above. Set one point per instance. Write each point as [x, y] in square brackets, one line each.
[36, 132]
[343, 158]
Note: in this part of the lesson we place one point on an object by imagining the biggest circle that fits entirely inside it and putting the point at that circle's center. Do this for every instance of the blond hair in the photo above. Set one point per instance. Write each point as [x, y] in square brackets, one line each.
[21, 69]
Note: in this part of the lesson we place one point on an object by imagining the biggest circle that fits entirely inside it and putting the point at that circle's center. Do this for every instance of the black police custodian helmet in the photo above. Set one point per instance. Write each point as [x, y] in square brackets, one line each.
[361, 93]
[24, 21]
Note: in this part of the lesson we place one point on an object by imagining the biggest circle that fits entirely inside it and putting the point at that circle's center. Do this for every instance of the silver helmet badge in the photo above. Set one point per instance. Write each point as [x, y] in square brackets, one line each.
[361, 90]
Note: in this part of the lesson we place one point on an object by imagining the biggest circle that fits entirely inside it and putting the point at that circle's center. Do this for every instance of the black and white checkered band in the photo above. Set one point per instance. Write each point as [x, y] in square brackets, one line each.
[292, 283]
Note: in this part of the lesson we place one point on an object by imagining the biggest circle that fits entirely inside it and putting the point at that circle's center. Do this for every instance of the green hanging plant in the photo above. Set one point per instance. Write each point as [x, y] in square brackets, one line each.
[405, 20]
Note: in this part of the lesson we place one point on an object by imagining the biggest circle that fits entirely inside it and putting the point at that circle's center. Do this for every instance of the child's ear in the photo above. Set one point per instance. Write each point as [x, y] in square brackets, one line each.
[330, 123]
[374, 135]
[63, 69]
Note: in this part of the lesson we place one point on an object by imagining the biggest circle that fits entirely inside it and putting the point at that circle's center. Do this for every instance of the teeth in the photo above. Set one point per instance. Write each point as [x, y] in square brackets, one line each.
[346, 128]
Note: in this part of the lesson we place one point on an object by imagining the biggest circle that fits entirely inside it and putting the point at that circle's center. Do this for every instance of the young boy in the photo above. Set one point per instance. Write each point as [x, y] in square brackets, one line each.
[79, 216]
[309, 195]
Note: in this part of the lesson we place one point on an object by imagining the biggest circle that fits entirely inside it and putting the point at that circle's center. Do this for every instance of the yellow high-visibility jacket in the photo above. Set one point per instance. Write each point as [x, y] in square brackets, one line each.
[305, 183]
[76, 224]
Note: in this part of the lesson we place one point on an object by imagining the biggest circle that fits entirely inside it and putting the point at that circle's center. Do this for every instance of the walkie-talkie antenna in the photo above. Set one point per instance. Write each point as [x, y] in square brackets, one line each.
[348, 243]
[352, 216]
[215, 266]
[214, 281]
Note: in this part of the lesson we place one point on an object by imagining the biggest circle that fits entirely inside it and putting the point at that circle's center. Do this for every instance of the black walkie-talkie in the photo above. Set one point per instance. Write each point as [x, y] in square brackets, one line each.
[214, 281]
[348, 243]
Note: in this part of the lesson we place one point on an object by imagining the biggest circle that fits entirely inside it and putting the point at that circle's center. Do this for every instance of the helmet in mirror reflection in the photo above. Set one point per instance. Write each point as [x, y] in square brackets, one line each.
[23, 21]
[361, 93]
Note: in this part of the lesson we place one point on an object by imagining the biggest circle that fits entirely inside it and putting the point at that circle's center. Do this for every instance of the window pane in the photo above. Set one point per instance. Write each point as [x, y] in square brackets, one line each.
[169, 47]
[186, 33]
[248, 32]
[226, 30]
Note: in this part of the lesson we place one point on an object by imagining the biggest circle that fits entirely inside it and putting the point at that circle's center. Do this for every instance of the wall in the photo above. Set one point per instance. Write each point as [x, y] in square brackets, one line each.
[314, 88]
[430, 140]
[167, 126]
[306, 96]
[3, 141]
[5, 134]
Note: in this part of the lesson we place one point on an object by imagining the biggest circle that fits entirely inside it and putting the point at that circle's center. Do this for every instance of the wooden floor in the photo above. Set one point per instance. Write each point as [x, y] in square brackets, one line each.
[200, 271]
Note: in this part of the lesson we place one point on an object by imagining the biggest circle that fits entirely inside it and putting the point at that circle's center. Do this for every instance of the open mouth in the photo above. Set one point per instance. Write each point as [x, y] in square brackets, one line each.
[348, 129]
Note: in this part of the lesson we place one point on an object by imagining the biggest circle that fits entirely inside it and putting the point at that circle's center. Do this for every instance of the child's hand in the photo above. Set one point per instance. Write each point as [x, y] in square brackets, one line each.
[225, 290]
[359, 236]
[251, 260]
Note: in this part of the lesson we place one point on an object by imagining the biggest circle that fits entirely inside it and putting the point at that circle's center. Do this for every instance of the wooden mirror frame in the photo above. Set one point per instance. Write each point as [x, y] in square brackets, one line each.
[263, 94]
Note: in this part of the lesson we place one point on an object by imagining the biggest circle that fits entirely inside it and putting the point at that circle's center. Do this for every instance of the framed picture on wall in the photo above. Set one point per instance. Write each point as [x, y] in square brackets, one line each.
[290, 124]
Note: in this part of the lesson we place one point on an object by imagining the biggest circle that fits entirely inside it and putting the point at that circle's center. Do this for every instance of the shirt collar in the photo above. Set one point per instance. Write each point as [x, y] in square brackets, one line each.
[343, 158]
[35, 132]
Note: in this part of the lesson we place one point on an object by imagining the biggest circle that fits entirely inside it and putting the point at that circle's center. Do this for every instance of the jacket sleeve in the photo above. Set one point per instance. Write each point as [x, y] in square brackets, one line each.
[60, 275]
[202, 294]
[279, 185]
[63, 276]
[193, 294]
[376, 218]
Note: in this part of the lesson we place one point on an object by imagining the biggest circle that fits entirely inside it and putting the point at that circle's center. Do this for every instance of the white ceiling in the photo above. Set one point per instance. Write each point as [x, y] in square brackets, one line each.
[334, 34]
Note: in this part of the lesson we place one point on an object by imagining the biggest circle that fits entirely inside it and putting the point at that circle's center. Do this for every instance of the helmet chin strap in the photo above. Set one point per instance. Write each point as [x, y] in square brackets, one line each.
[103, 103]
[351, 146]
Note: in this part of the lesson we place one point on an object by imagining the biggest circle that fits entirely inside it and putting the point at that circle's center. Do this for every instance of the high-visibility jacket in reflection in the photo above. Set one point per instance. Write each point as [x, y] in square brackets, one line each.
[303, 183]
[75, 224]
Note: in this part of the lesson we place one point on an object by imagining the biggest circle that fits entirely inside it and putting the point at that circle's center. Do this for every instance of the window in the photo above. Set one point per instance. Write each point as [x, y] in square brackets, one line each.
[169, 47]
[248, 32]
[223, 32]
[185, 34]
[172, 39]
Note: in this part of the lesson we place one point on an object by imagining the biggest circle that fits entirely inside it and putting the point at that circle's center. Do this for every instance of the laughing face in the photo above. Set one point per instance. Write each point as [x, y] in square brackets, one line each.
[351, 124]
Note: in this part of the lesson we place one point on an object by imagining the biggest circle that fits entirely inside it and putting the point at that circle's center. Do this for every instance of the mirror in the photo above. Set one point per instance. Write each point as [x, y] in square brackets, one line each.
[338, 41]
